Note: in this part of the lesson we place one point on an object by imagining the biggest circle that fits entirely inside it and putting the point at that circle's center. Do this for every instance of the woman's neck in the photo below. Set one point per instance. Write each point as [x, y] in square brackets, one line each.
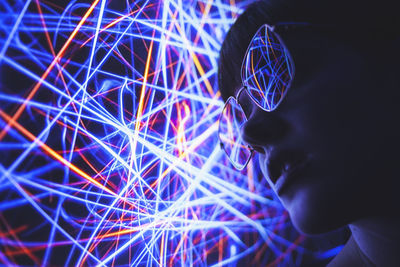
[374, 242]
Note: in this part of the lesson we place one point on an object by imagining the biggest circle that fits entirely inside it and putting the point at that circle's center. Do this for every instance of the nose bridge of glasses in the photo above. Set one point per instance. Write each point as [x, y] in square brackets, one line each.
[247, 103]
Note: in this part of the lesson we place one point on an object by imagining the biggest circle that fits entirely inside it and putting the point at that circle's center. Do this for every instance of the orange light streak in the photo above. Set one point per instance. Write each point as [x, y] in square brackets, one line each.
[54, 54]
[195, 60]
[143, 90]
[60, 54]
[220, 250]
[55, 155]
[250, 177]
[162, 249]
[23, 249]
[141, 100]
[232, 3]
[181, 140]
[255, 76]
[184, 237]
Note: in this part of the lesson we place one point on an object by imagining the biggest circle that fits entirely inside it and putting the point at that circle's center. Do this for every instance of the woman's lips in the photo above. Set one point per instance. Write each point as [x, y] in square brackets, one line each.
[285, 166]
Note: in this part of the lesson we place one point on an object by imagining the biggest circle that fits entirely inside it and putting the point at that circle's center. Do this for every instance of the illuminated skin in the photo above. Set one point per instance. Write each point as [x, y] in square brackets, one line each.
[334, 131]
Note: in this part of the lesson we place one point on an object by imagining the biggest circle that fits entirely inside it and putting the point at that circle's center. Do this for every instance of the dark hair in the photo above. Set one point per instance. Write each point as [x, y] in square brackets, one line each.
[236, 42]
[368, 16]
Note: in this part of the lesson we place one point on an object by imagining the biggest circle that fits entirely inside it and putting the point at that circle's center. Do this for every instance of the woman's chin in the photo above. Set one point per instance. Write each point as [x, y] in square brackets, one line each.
[312, 214]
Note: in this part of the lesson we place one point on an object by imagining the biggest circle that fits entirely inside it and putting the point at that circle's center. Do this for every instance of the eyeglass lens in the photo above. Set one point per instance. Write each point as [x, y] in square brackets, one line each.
[230, 125]
[267, 70]
[266, 73]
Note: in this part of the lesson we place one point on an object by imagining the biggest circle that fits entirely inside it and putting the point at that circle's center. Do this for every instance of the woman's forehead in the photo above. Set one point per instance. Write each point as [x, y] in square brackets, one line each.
[309, 52]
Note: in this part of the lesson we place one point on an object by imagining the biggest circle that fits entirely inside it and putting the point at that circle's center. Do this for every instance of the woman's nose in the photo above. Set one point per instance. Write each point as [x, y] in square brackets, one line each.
[263, 128]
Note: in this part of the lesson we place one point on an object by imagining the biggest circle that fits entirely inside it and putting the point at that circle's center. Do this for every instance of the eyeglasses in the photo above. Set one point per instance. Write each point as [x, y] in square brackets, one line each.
[267, 72]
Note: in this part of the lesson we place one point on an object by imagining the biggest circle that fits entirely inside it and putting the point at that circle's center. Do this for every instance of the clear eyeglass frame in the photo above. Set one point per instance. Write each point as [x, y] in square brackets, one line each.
[267, 72]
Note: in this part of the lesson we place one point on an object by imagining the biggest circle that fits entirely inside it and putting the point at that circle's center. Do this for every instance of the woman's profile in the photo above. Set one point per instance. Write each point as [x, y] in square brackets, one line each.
[312, 89]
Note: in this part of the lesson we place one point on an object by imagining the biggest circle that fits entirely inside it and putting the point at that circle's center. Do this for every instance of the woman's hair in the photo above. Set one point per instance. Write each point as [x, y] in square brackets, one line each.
[236, 42]
[366, 16]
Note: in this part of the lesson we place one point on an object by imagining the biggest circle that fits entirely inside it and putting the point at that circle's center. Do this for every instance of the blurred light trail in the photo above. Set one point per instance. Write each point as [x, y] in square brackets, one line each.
[108, 141]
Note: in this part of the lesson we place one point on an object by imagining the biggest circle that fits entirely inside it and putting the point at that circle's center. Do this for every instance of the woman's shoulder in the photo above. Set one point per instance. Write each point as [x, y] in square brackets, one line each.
[351, 255]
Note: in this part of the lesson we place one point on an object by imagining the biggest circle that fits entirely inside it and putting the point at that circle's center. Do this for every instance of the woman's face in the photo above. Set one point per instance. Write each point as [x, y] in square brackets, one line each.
[330, 149]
